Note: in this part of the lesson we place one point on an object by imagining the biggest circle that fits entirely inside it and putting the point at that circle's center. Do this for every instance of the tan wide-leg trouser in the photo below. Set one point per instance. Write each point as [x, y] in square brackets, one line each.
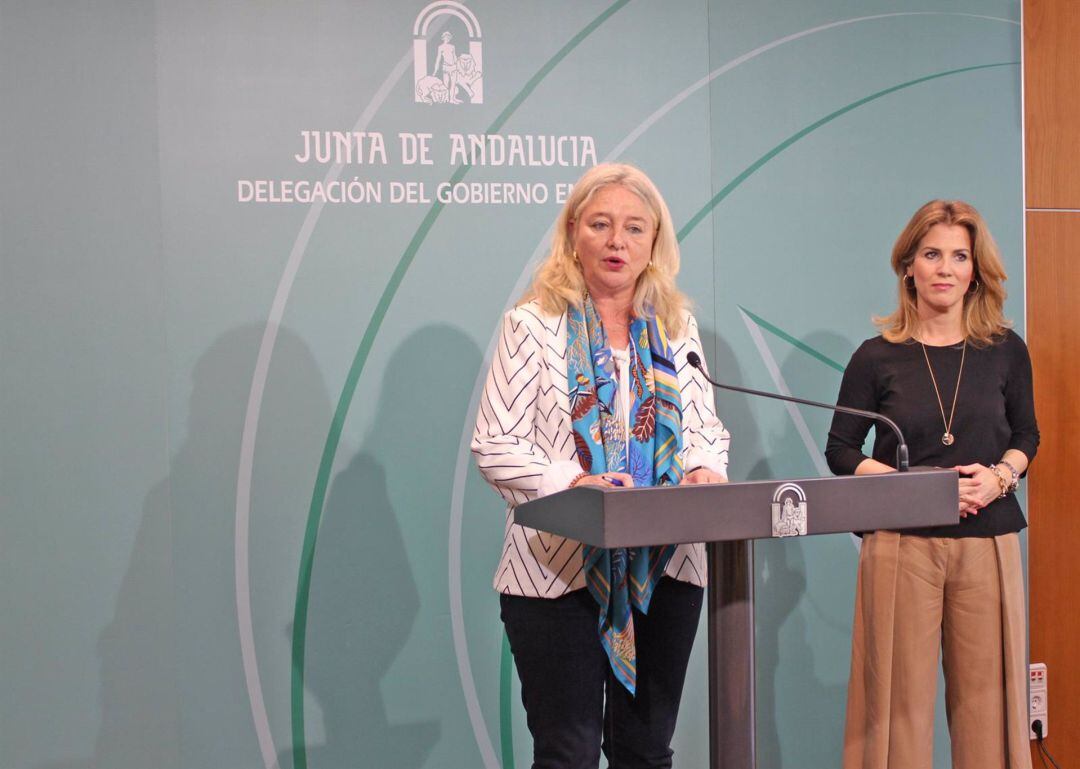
[917, 597]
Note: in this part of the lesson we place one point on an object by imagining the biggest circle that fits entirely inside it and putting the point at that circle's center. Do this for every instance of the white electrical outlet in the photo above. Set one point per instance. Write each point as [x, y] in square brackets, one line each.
[1037, 702]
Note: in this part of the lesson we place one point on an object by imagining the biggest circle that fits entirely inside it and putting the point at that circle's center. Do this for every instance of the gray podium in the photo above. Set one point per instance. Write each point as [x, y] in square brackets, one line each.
[729, 517]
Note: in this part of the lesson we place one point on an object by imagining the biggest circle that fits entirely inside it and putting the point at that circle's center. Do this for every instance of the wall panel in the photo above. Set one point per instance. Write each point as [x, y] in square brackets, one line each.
[1053, 254]
[1052, 130]
[1052, 102]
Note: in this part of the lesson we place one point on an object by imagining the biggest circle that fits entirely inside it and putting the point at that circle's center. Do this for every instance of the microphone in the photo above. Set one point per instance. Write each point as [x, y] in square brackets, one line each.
[901, 447]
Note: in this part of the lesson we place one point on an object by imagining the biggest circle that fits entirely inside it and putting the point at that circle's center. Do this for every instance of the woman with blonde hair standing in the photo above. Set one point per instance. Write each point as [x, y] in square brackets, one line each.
[949, 371]
[589, 385]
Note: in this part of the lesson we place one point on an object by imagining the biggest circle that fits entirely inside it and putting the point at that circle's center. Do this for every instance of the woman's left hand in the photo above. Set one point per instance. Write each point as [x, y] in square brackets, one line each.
[978, 488]
[702, 475]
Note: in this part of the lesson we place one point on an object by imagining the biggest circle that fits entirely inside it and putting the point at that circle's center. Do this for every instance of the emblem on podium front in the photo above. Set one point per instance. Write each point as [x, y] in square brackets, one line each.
[789, 511]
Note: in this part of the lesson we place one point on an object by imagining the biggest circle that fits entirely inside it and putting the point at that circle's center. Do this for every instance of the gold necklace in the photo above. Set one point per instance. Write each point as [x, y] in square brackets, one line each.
[948, 437]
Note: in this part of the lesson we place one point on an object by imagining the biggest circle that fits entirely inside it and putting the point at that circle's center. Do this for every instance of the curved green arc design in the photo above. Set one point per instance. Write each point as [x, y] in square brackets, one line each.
[333, 438]
[697, 218]
[506, 724]
[796, 343]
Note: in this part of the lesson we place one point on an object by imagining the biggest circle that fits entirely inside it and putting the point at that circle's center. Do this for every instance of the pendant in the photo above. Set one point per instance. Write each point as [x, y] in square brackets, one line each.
[947, 439]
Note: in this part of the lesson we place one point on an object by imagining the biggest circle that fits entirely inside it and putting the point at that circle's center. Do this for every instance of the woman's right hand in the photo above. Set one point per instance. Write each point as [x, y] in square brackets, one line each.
[608, 480]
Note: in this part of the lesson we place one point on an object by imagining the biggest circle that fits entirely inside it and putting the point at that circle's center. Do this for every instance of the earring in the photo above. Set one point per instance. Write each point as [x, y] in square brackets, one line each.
[977, 287]
[908, 286]
[576, 256]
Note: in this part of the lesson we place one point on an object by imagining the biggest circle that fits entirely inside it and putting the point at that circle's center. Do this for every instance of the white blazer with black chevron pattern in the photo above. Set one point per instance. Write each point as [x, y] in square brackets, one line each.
[523, 431]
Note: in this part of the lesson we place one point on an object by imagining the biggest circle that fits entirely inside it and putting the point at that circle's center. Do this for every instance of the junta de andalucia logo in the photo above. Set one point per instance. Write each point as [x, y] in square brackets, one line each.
[448, 56]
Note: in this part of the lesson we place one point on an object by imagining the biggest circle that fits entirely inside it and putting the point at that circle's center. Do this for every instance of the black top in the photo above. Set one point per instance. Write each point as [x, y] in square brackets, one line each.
[995, 411]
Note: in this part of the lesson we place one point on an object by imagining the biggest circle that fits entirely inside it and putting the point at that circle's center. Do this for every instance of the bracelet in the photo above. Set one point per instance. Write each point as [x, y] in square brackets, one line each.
[574, 481]
[1015, 475]
[1002, 483]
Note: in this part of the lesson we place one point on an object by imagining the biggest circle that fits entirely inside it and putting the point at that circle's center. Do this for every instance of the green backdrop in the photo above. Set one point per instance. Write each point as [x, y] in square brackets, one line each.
[240, 523]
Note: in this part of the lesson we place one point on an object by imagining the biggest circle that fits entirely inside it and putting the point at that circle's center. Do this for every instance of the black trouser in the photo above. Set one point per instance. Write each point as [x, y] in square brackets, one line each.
[564, 672]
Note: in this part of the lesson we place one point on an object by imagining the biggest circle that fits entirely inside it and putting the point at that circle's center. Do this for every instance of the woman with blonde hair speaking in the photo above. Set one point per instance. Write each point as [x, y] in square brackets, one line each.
[589, 385]
[949, 371]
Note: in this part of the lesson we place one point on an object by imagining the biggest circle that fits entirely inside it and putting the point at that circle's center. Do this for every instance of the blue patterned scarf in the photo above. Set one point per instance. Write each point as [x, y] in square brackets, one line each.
[624, 578]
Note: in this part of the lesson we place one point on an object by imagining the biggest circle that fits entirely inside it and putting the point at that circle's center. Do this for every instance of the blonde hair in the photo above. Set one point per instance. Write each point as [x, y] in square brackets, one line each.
[559, 283]
[983, 318]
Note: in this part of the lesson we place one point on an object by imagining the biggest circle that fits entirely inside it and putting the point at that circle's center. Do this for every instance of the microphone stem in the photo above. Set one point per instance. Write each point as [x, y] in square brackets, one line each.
[901, 447]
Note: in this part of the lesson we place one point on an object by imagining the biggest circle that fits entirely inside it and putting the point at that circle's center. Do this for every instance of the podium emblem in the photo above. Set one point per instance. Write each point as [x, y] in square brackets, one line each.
[789, 511]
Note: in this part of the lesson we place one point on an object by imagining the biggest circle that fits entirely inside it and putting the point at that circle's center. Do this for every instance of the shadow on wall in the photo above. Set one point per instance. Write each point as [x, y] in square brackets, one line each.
[216, 714]
[172, 685]
[734, 409]
[365, 603]
[790, 619]
[139, 721]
